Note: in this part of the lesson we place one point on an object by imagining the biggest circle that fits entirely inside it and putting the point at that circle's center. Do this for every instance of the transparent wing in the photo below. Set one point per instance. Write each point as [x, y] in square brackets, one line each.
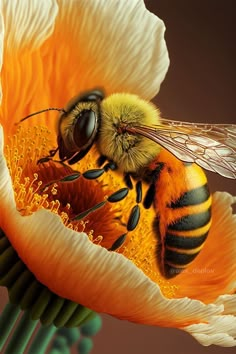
[211, 146]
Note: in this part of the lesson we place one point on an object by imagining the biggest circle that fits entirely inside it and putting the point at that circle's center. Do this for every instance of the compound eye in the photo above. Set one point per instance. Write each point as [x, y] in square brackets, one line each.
[93, 96]
[85, 128]
[89, 96]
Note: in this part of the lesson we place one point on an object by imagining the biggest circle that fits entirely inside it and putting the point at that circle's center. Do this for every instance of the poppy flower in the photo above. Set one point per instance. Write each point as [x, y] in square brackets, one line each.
[50, 51]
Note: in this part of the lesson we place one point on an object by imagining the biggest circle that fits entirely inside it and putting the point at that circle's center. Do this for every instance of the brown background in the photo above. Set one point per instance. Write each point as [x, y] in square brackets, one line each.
[199, 87]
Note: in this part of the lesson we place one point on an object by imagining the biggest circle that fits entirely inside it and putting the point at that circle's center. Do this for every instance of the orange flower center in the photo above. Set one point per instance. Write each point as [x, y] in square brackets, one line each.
[37, 186]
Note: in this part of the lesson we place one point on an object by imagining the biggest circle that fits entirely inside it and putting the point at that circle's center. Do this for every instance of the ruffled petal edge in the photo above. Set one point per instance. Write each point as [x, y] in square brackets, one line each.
[119, 45]
[27, 23]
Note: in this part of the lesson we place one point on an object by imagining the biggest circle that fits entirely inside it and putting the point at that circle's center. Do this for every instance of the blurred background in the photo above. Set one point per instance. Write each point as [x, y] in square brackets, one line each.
[200, 87]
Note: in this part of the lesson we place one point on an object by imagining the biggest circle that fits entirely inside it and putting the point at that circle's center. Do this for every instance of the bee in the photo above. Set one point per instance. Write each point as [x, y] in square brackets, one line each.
[167, 155]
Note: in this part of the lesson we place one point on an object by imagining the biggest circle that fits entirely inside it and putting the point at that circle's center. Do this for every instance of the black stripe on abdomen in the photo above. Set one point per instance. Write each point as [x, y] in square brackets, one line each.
[184, 242]
[179, 259]
[192, 221]
[192, 197]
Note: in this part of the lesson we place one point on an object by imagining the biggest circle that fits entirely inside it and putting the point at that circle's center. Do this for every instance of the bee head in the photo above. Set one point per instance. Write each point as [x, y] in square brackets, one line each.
[79, 123]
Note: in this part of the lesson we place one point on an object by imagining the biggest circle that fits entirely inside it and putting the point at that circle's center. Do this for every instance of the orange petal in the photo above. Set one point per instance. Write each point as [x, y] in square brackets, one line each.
[89, 47]
[26, 25]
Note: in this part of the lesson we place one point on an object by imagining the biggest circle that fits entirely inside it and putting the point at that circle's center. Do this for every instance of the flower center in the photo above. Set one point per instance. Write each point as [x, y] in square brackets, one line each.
[37, 186]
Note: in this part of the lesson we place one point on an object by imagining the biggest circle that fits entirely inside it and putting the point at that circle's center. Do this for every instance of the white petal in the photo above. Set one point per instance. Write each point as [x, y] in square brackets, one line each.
[221, 330]
[28, 23]
[119, 44]
[229, 302]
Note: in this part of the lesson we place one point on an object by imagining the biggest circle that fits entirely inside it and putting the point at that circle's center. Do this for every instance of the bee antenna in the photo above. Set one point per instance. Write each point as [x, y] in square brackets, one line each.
[38, 112]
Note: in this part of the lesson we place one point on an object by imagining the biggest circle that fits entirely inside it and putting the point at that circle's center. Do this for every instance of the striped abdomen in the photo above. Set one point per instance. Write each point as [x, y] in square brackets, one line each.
[183, 217]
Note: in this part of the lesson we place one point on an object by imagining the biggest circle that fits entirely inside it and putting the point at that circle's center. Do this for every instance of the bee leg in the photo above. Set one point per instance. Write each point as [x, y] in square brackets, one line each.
[97, 172]
[94, 173]
[77, 156]
[110, 166]
[69, 178]
[149, 197]
[52, 153]
[139, 192]
[128, 181]
[101, 160]
[118, 243]
[134, 216]
[135, 212]
[113, 198]
[150, 194]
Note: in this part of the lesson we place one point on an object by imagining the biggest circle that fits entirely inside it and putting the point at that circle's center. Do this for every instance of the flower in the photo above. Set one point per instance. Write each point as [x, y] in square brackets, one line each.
[50, 51]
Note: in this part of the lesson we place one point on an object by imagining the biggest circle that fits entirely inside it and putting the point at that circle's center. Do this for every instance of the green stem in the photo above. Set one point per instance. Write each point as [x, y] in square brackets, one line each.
[21, 335]
[7, 321]
[42, 339]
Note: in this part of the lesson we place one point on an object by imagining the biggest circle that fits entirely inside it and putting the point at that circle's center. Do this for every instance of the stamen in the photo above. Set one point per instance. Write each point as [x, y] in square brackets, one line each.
[22, 152]
[30, 187]
[54, 206]
[98, 239]
[54, 190]
[83, 223]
